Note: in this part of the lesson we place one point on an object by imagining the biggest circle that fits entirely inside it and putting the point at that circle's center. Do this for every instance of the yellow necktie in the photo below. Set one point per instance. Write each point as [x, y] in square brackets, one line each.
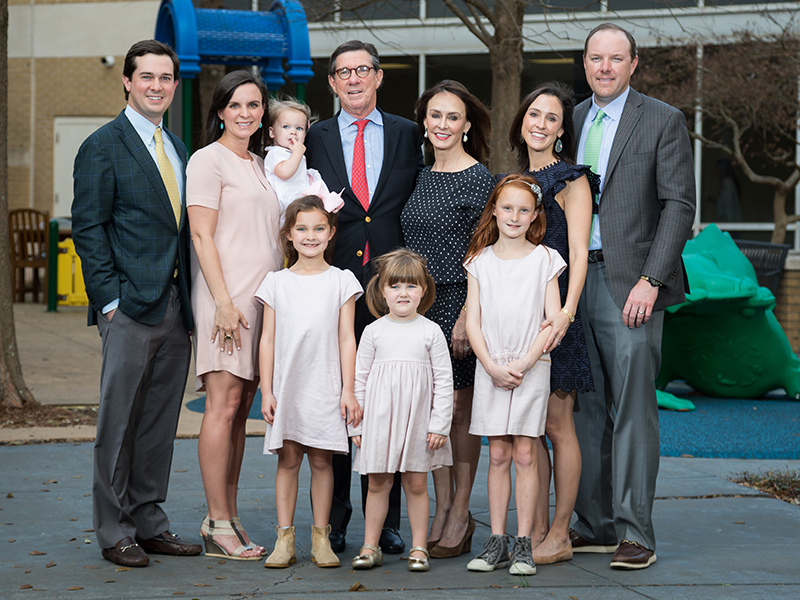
[168, 176]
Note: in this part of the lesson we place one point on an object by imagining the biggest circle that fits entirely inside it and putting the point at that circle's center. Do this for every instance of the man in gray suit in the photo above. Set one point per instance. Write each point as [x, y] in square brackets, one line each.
[640, 148]
[130, 230]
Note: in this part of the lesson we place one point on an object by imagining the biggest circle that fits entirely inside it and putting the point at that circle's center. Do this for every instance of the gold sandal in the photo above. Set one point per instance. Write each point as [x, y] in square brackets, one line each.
[251, 545]
[213, 549]
[419, 564]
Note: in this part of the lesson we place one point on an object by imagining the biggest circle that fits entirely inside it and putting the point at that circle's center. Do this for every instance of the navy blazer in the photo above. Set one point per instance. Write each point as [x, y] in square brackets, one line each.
[402, 162]
[124, 226]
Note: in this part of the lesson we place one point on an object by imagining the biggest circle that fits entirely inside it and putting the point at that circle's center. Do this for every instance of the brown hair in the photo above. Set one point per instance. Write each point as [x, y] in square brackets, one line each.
[611, 27]
[477, 144]
[305, 204]
[354, 46]
[401, 265]
[223, 94]
[563, 94]
[486, 232]
[149, 47]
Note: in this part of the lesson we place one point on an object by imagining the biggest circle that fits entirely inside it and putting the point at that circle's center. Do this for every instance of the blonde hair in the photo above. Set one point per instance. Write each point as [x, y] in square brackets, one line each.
[399, 266]
[278, 106]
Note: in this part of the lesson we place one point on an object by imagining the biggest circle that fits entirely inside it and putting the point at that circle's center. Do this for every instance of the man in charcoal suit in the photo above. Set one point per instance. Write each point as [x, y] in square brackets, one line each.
[640, 148]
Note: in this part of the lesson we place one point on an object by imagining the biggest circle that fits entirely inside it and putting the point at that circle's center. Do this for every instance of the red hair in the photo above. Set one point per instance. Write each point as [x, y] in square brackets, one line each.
[486, 232]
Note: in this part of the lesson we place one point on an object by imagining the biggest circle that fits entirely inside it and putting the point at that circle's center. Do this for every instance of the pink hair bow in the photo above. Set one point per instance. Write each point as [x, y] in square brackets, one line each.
[332, 201]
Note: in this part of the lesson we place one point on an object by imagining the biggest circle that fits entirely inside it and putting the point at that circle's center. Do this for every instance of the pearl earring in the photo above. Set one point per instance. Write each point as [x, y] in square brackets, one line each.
[425, 135]
[465, 136]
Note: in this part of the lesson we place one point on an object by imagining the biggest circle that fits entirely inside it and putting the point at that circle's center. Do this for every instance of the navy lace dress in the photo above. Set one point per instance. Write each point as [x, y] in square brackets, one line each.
[570, 367]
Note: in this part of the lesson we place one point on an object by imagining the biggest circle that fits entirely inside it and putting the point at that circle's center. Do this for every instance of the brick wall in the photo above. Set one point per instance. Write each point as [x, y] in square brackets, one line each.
[19, 132]
[69, 87]
[787, 307]
[61, 87]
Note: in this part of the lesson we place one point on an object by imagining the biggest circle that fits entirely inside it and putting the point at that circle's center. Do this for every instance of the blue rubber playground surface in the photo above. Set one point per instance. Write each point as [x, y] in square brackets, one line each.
[767, 428]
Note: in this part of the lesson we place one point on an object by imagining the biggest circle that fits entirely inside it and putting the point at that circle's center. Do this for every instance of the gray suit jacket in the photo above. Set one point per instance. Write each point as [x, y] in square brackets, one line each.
[647, 206]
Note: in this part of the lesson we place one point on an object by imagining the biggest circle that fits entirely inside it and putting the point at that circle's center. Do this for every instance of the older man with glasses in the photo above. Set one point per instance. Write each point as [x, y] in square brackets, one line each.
[375, 157]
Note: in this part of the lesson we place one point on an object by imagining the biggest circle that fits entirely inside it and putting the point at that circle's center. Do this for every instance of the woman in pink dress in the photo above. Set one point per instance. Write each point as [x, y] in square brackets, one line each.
[234, 217]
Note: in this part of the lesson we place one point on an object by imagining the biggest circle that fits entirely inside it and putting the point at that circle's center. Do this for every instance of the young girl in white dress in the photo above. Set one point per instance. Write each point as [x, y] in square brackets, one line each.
[285, 162]
[512, 285]
[404, 382]
[307, 360]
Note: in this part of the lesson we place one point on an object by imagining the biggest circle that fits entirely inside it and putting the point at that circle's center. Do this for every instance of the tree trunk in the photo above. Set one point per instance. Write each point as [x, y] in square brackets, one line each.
[779, 212]
[13, 391]
[505, 57]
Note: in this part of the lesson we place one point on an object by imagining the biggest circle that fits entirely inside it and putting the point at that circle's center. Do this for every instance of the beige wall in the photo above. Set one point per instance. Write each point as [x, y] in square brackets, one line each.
[55, 71]
[19, 132]
[60, 87]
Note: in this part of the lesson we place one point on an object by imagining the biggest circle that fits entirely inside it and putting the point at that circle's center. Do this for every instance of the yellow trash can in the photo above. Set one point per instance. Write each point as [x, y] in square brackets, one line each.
[71, 290]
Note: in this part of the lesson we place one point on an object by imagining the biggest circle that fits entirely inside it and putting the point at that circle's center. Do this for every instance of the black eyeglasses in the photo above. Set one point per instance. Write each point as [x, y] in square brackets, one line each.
[362, 71]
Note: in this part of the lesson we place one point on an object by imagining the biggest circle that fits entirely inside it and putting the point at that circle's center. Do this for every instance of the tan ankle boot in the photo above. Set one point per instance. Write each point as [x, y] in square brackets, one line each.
[283, 555]
[321, 552]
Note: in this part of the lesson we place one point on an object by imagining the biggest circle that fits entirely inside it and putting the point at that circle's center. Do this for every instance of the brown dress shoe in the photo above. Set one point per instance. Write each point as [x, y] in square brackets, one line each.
[170, 543]
[127, 553]
[581, 545]
[632, 555]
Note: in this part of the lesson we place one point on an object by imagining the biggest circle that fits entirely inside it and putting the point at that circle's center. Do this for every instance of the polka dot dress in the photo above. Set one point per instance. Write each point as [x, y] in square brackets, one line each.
[438, 221]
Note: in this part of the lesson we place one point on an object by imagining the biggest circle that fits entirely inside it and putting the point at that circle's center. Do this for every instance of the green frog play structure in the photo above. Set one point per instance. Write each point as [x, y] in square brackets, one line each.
[724, 341]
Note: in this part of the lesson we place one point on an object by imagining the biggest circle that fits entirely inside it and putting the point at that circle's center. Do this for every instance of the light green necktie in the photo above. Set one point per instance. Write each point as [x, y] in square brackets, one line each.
[594, 139]
[591, 156]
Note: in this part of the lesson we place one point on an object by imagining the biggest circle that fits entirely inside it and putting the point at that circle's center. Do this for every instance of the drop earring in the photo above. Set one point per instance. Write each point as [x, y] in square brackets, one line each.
[222, 125]
[260, 125]
[465, 138]
[559, 145]
[425, 135]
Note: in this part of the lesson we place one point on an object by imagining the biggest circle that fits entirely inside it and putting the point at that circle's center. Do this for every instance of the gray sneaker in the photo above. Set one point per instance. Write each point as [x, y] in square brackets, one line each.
[521, 558]
[494, 555]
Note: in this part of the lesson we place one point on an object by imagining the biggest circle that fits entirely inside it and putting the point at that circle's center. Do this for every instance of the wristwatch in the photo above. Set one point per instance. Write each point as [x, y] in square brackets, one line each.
[651, 281]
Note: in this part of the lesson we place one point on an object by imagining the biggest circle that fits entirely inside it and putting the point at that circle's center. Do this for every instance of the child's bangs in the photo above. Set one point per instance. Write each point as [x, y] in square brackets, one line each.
[404, 270]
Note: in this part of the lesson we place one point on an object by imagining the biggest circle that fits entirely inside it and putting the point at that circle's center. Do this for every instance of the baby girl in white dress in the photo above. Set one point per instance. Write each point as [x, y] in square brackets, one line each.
[285, 162]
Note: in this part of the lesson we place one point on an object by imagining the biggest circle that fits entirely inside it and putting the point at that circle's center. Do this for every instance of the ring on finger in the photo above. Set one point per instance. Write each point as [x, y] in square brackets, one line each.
[641, 312]
[228, 337]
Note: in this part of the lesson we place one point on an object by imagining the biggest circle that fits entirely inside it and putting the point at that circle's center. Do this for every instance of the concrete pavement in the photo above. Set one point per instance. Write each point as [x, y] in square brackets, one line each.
[716, 539]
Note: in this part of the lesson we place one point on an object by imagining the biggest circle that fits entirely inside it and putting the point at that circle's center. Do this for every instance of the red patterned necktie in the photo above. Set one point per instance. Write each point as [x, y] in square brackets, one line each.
[359, 183]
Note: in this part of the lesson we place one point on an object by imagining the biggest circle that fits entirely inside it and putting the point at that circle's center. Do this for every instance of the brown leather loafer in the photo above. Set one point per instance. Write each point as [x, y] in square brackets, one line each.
[127, 553]
[580, 545]
[632, 555]
[170, 543]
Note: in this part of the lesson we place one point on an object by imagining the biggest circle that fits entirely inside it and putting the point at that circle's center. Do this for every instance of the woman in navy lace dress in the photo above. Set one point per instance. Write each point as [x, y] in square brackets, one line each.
[543, 136]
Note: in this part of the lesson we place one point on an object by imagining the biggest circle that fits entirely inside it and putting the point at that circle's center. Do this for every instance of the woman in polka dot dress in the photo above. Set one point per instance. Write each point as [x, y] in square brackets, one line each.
[438, 222]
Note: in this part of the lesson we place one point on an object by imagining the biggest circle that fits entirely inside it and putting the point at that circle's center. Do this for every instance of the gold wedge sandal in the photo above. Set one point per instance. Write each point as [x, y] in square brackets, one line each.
[210, 528]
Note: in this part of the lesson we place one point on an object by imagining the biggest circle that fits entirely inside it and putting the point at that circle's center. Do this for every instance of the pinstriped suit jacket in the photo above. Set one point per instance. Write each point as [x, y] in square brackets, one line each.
[124, 227]
[647, 206]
